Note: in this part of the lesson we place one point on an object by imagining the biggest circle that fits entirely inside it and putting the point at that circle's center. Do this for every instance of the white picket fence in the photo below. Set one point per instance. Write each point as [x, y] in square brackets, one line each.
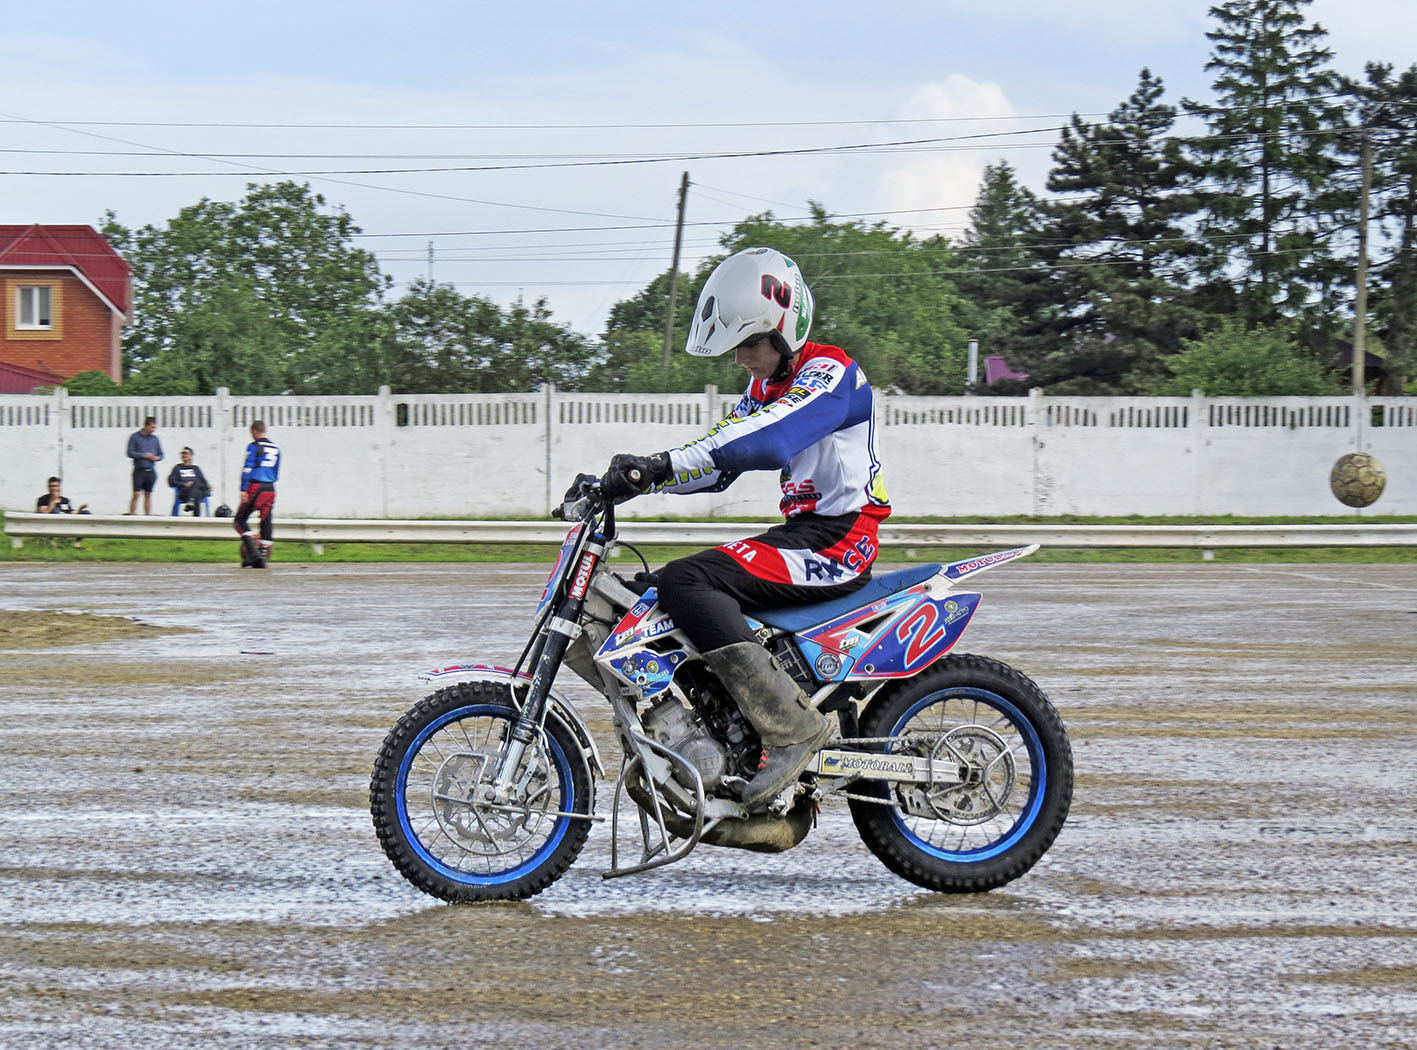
[491, 456]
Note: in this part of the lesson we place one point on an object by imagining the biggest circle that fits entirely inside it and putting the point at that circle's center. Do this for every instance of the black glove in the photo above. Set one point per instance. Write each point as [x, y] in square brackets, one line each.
[577, 489]
[629, 476]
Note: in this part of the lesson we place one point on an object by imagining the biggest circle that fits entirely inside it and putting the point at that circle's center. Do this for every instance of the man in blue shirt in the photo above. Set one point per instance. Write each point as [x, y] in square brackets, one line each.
[145, 450]
[258, 493]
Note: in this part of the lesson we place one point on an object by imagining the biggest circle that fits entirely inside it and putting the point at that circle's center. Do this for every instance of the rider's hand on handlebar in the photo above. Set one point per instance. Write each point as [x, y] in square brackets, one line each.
[629, 476]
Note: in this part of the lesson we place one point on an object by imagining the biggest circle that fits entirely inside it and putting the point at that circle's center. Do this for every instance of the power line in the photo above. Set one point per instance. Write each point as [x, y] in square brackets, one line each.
[864, 147]
[667, 126]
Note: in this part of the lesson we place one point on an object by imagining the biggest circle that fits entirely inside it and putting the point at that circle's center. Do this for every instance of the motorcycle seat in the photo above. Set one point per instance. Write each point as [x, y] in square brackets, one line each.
[797, 618]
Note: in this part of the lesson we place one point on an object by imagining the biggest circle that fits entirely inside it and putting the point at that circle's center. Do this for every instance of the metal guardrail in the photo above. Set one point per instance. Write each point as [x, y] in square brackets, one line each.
[19, 525]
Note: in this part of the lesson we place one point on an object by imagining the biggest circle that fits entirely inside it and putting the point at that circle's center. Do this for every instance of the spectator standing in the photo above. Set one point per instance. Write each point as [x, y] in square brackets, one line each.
[189, 481]
[145, 450]
[258, 493]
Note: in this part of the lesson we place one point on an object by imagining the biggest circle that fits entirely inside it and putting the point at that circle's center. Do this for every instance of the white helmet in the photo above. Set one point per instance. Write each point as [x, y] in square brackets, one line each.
[758, 290]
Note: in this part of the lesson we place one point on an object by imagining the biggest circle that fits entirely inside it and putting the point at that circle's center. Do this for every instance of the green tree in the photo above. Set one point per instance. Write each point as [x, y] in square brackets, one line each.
[237, 294]
[93, 383]
[881, 295]
[536, 349]
[227, 339]
[997, 261]
[1236, 360]
[1387, 112]
[443, 341]
[633, 343]
[1104, 304]
[1118, 227]
[1270, 203]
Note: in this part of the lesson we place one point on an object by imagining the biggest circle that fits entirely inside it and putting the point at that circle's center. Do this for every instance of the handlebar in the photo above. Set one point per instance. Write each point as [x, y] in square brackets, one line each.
[583, 500]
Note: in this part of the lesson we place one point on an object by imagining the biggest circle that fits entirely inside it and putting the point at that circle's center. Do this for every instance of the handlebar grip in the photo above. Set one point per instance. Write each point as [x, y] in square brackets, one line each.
[635, 474]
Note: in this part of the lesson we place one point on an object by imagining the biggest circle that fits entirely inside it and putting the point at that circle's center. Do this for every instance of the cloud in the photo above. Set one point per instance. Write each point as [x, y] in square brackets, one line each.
[949, 177]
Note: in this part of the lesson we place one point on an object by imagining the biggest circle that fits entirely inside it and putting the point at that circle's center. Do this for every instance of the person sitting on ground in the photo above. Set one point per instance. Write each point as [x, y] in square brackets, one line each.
[55, 502]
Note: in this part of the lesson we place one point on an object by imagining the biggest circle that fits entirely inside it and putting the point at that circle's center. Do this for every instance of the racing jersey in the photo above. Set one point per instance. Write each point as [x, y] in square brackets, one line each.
[816, 426]
[262, 462]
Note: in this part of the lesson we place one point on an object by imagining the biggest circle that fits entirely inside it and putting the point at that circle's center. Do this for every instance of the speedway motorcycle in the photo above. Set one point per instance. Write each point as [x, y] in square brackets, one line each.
[957, 769]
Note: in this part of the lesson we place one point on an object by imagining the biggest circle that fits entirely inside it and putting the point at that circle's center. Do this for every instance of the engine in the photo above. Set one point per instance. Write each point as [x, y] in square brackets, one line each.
[676, 727]
[712, 734]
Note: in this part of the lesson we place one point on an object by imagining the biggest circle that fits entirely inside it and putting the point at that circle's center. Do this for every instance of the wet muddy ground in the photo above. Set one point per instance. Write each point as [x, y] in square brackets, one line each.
[186, 858]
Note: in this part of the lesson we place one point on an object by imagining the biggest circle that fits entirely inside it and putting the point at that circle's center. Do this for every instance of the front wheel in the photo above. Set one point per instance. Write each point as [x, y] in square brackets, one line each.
[430, 797]
[1009, 782]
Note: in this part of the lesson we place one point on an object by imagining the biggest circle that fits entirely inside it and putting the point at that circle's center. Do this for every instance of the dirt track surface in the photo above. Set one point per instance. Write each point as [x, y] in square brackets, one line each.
[188, 859]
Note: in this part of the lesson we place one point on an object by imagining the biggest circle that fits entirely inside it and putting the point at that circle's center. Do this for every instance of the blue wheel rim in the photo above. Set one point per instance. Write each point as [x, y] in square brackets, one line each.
[1039, 775]
[565, 802]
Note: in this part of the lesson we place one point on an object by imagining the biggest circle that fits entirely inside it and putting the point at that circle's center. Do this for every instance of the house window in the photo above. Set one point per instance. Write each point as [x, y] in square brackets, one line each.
[34, 307]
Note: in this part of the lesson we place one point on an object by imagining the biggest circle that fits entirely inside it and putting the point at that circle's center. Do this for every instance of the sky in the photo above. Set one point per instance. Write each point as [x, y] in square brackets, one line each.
[570, 125]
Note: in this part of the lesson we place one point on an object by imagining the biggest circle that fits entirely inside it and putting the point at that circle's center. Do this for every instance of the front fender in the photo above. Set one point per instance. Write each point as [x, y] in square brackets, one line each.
[558, 707]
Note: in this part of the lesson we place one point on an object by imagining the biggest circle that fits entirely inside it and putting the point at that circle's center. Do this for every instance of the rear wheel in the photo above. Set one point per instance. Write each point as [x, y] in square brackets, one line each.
[428, 798]
[1009, 782]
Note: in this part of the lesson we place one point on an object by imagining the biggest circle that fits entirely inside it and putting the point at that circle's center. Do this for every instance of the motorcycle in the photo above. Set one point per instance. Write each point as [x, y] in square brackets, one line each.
[956, 769]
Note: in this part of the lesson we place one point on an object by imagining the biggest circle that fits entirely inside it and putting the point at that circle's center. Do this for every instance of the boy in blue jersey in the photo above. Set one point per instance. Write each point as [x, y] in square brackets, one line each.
[258, 493]
[809, 414]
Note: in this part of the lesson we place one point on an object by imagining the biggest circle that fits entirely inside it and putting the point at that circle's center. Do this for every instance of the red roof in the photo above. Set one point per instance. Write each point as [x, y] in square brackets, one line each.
[16, 379]
[81, 247]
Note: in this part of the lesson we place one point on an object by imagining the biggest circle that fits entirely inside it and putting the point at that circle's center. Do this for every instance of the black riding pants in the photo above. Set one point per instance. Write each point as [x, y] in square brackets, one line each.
[810, 558]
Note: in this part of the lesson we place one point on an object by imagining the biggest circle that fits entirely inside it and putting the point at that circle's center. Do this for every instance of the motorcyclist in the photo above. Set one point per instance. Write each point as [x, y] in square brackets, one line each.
[808, 413]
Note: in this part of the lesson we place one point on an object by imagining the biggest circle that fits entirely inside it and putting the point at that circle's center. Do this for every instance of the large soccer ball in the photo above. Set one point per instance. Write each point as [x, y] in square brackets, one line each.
[1357, 479]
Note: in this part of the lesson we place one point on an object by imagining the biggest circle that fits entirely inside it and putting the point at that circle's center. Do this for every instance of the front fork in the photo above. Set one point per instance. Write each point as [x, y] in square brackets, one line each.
[528, 725]
[558, 634]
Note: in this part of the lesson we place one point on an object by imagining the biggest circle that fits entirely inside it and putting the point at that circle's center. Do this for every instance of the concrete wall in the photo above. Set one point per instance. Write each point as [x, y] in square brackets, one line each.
[511, 455]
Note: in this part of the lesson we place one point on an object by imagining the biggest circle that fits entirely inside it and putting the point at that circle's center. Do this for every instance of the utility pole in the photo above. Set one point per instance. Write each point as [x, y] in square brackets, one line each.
[674, 267]
[1360, 300]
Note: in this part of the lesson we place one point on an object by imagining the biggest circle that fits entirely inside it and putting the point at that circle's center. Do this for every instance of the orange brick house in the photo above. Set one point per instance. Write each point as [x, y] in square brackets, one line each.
[65, 295]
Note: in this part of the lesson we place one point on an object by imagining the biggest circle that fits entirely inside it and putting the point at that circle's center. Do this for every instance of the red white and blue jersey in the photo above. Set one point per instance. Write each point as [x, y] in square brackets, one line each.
[262, 463]
[816, 427]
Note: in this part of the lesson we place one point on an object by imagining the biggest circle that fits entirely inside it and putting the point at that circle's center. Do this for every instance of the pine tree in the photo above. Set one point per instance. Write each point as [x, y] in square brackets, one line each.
[1115, 236]
[1269, 213]
[1107, 300]
[996, 265]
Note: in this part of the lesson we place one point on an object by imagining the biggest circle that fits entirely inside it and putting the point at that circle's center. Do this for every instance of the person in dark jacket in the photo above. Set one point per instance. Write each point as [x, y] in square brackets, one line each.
[55, 502]
[191, 484]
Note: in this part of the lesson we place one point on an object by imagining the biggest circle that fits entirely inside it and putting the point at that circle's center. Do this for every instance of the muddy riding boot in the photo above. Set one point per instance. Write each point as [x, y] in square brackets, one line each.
[791, 729]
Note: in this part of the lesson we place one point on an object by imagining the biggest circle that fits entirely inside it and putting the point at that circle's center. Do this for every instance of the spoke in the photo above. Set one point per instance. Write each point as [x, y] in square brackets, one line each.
[462, 728]
[454, 799]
